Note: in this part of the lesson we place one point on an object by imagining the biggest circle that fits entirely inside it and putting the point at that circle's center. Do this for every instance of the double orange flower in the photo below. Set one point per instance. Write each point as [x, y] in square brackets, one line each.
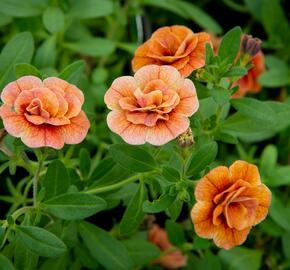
[229, 202]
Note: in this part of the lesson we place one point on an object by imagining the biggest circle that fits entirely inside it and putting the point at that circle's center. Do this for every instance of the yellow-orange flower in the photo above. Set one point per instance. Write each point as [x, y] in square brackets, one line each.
[153, 106]
[174, 45]
[229, 202]
[172, 260]
[44, 113]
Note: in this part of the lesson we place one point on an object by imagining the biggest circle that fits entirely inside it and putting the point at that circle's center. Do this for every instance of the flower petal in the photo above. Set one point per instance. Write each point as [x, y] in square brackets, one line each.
[245, 171]
[227, 238]
[263, 195]
[29, 82]
[10, 93]
[202, 216]
[165, 131]
[76, 131]
[121, 87]
[188, 103]
[213, 183]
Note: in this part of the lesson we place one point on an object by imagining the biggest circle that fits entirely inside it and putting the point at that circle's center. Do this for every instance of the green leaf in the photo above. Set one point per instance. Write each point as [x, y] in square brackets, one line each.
[241, 258]
[188, 11]
[59, 263]
[5, 263]
[73, 206]
[220, 95]
[230, 44]
[236, 72]
[13, 53]
[53, 19]
[19, 8]
[254, 108]
[210, 261]
[141, 252]
[91, 9]
[225, 137]
[159, 205]
[201, 243]
[40, 241]
[278, 176]
[46, 53]
[26, 69]
[174, 210]
[275, 78]
[134, 214]
[175, 233]
[109, 252]
[85, 162]
[170, 174]
[279, 213]
[268, 159]
[56, 180]
[95, 47]
[198, 15]
[202, 156]
[73, 72]
[273, 18]
[132, 158]
[23, 257]
[286, 244]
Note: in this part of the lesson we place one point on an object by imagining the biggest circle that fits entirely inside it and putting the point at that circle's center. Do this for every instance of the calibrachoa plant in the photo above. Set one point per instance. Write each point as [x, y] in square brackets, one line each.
[149, 163]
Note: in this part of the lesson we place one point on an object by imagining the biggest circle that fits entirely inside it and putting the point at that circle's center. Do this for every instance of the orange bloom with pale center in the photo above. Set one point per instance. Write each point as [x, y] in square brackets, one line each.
[172, 260]
[229, 202]
[153, 106]
[44, 113]
[174, 45]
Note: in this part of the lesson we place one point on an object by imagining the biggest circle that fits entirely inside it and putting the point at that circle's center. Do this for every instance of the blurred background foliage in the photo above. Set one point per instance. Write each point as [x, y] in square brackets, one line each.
[95, 41]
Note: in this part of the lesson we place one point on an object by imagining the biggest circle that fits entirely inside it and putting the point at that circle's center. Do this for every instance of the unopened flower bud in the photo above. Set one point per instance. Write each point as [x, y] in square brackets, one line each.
[251, 45]
[186, 139]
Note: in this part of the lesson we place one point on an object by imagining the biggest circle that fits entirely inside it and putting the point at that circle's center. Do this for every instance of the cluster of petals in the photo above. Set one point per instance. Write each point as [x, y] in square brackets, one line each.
[176, 46]
[172, 260]
[153, 106]
[229, 202]
[44, 113]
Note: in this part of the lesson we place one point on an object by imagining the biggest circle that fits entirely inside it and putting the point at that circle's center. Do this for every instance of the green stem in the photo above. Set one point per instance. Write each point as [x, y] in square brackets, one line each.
[41, 159]
[131, 179]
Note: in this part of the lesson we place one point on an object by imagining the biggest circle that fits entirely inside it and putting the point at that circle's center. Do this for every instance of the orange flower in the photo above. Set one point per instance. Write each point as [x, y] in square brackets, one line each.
[171, 260]
[153, 106]
[229, 202]
[44, 113]
[249, 83]
[174, 45]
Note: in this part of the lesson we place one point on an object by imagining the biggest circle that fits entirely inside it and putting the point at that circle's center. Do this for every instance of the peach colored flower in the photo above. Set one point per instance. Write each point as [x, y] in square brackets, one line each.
[229, 202]
[249, 83]
[44, 113]
[171, 260]
[173, 45]
[153, 106]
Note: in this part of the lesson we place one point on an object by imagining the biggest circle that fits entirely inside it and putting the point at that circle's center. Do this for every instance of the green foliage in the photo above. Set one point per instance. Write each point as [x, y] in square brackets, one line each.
[134, 214]
[11, 54]
[74, 206]
[132, 158]
[118, 188]
[40, 241]
[241, 258]
[109, 252]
